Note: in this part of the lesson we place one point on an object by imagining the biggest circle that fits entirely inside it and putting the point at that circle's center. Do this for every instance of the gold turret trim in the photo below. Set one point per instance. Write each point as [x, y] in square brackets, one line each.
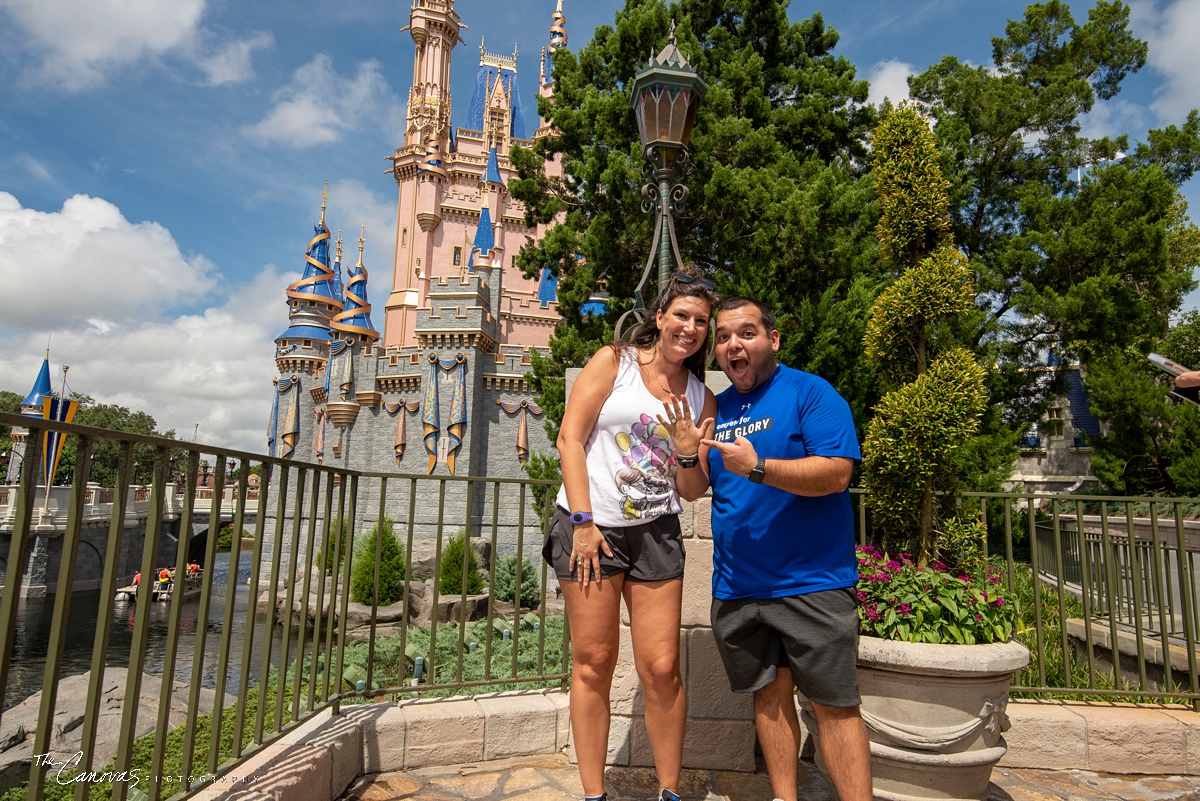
[487, 59]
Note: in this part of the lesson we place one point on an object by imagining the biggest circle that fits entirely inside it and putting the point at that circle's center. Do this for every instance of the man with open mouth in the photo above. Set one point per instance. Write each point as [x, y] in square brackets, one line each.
[784, 609]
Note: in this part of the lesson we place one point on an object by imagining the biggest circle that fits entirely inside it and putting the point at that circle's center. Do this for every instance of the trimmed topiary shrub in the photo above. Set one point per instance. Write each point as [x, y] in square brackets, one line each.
[391, 566]
[450, 580]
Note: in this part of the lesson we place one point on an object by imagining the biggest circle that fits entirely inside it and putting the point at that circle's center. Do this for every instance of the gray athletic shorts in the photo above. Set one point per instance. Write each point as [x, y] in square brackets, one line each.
[646, 552]
[815, 635]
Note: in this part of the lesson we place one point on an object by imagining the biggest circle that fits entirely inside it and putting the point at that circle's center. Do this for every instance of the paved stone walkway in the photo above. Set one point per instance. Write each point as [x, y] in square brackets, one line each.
[553, 778]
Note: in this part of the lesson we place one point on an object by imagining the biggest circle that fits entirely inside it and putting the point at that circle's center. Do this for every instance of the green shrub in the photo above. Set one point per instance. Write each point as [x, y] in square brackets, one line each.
[337, 529]
[391, 566]
[503, 589]
[450, 580]
[225, 541]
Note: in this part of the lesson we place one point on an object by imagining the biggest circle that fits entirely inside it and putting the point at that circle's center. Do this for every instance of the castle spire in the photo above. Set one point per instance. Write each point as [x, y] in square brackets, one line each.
[41, 387]
[558, 28]
[435, 28]
[314, 299]
[355, 318]
[324, 197]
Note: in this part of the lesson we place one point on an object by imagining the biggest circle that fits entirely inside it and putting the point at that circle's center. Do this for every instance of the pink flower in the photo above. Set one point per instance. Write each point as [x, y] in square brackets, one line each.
[903, 609]
[999, 602]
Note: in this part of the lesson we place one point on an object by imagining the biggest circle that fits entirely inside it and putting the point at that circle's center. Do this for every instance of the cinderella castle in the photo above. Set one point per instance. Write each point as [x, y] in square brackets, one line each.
[441, 389]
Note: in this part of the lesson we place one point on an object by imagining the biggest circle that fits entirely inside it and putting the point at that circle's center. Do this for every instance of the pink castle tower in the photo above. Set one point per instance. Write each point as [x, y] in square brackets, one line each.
[452, 183]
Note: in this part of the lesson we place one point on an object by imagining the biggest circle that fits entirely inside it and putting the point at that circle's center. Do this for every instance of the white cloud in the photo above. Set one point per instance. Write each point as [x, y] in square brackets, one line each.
[213, 367]
[1113, 118]
[80, 41]
[87, 261]
[231, 62]
[320, 106]
[351, 205]
[1172, 30]
[78, 44]
[889, 79]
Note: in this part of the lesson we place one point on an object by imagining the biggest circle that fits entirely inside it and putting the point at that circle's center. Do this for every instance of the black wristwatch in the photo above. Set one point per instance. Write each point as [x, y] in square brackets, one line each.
[759, 472]
[688, 461]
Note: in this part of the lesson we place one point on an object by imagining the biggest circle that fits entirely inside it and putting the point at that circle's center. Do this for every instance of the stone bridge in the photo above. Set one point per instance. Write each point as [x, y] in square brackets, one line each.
[49, 523]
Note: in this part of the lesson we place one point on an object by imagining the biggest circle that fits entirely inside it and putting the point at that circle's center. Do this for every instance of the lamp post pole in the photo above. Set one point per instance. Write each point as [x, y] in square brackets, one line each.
[666, 94]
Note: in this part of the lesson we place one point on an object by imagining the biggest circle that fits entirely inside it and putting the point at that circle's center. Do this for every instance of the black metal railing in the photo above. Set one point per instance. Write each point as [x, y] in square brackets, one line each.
[293, 642]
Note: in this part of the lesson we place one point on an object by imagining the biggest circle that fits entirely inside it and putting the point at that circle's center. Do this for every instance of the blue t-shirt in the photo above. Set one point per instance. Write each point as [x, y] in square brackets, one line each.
[770, 543]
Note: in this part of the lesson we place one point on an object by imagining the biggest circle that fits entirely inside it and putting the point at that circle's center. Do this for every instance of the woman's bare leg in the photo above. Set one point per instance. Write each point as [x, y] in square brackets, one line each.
[594, 615]
[654, 613]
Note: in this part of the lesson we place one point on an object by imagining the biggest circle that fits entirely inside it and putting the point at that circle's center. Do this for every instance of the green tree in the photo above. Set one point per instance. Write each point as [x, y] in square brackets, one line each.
[450, 580]
[1069, 245]
[106, 452]
[935, 397]
[505, 587]
[1149, 444]
[777, 207]
[10, 403]
[391, 566]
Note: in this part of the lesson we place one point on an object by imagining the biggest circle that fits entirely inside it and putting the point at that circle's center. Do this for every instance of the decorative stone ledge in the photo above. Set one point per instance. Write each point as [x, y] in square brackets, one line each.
[319, 759]
[1105, 737]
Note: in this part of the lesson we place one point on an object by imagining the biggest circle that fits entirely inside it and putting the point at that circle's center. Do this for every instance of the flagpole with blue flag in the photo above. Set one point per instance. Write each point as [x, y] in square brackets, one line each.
[60, 410]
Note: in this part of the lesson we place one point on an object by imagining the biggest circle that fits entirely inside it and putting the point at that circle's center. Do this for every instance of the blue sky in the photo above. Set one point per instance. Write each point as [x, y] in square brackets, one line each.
[161, 164]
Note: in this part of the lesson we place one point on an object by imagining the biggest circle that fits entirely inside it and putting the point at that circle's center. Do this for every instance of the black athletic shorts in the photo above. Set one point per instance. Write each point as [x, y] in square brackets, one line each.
[646, 552]
[814, 635]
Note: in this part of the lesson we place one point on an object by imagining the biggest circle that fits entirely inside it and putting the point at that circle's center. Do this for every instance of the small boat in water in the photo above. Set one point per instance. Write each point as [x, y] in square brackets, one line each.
[163, 590]
[163, 585]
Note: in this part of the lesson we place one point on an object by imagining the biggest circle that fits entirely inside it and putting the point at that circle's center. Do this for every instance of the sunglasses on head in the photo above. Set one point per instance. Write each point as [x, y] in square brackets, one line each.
[686, 278]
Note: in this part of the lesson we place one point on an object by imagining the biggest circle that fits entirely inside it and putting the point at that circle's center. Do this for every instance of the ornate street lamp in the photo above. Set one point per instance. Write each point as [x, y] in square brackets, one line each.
[666, 94]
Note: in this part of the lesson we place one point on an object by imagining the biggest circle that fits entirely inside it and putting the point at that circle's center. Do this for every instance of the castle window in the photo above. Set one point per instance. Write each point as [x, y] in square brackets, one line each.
[1054, 422]
[404, 238]
[312, 304]
[308, 343]
[458, 257]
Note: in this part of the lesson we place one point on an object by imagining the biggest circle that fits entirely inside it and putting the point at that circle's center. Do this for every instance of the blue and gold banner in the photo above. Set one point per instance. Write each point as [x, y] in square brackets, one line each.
[60, 411]
[431, 417]
[289, 426]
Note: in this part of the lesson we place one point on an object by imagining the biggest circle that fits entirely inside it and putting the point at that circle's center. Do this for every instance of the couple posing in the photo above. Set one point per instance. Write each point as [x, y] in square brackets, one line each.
[642, 431]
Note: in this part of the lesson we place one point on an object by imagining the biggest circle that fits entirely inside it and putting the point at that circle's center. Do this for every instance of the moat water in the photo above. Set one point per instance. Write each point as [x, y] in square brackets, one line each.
[34, 616]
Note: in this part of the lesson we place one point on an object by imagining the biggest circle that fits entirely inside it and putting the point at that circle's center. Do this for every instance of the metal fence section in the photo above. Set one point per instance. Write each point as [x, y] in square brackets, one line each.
[1108, 601]
[301, 644]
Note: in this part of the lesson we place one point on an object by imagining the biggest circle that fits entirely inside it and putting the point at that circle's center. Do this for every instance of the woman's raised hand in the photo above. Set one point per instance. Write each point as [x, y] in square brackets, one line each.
[685, 435]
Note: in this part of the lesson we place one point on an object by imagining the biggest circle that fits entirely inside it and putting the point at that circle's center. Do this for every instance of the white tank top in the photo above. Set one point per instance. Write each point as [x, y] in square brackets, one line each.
[630, 458]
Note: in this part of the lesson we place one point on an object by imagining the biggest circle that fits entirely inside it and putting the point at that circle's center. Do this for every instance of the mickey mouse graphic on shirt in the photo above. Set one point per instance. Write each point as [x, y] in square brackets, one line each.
[649, 461]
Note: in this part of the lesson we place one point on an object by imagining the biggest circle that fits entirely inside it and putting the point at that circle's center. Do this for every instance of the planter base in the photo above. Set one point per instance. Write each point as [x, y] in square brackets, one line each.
[934, 715]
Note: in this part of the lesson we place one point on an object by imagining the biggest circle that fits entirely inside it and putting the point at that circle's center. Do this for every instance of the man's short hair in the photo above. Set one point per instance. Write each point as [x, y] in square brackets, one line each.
[768, 316]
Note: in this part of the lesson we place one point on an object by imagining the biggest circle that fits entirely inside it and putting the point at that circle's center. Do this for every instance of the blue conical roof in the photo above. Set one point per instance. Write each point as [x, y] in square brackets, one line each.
[492, 175]
[484, 238]
[41, 387]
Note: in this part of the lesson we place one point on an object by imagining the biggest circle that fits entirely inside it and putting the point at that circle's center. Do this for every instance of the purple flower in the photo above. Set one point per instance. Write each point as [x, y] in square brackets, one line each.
[894, 566]
[940, 567]
[903, 609]
[999, 602]
[993, 579]
[964, 579]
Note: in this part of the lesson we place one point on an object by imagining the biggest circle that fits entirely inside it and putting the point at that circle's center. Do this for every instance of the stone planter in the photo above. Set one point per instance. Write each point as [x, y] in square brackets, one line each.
[934, 715]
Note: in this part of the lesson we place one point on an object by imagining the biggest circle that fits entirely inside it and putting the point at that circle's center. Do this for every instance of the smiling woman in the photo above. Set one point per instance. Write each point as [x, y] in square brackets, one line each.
[616, 530]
